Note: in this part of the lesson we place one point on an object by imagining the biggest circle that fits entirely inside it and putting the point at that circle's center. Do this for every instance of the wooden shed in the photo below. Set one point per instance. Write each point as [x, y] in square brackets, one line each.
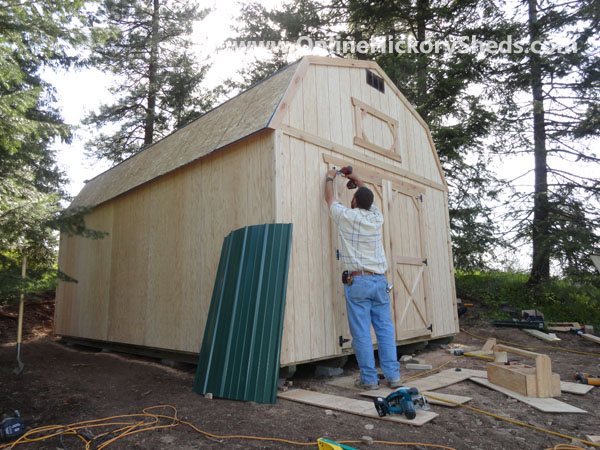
[262, 157]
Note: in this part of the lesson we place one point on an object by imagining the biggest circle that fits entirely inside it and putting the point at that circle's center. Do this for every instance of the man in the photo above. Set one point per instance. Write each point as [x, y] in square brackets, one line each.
[367, 300]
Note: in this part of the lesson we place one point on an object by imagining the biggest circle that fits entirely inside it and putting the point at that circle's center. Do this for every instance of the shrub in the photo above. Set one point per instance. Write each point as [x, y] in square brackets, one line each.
[569, 300]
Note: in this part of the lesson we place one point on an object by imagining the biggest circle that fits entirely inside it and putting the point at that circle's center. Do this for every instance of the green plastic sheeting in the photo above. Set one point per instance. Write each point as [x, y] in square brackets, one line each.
[240, 351]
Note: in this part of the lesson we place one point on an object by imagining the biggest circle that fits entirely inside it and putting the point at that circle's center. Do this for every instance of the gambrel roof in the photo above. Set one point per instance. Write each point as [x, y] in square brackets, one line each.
[241, 116]
[261, 106]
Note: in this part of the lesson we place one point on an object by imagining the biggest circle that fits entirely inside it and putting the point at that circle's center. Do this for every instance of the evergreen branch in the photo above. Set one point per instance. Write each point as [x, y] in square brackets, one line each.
[561, 5]
[567, 176]
[574, 151]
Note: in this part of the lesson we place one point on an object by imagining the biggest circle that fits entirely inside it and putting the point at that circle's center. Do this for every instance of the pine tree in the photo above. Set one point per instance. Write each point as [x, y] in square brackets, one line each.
[33, 36]
[146, 45]
[558, 127]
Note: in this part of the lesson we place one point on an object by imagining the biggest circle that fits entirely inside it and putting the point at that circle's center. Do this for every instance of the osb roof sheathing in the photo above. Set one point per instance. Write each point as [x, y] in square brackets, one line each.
[233, 120]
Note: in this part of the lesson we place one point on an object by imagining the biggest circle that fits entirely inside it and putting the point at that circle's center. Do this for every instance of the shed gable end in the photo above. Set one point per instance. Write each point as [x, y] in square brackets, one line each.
[353, 104]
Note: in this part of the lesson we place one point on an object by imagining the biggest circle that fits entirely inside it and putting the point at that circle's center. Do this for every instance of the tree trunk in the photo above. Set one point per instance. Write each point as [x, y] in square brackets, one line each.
[152, 75]
[422, 14]
[540, 269]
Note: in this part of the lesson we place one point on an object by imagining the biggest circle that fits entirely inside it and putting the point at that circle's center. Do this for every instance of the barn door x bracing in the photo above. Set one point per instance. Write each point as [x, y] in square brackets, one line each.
[407, 260]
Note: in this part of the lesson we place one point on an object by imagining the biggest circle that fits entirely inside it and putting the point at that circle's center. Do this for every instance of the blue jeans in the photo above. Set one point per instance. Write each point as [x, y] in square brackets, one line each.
[367, 302]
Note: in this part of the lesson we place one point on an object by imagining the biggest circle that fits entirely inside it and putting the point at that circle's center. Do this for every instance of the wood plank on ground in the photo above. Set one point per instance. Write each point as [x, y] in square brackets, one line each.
[562, 326]
[575, 388]
[550, 405]
[348, 383]
[351, 406]
[541, 335]
[418, 366]
[444, 378]
[430, 383]
[591, 337]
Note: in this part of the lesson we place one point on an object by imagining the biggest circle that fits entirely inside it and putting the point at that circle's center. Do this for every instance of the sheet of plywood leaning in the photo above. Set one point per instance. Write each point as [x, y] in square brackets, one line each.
[262, 158]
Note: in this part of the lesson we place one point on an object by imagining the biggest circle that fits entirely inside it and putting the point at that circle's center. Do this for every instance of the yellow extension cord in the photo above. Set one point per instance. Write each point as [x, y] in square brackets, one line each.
[538, 347]
[130, 428]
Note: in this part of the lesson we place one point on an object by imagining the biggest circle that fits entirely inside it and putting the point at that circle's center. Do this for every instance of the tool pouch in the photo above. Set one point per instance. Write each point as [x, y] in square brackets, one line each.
[347, 278]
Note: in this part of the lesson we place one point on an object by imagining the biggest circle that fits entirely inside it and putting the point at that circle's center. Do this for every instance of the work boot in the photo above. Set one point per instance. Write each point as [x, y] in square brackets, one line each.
[365, 386]
[395, 383]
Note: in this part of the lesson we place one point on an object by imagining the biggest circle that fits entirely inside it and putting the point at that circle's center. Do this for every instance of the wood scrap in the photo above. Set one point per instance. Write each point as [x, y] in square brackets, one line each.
[418, 366]
[591, 337]
[575, 388]
[562, 326]
[593, 438]
[559, 329]
[541, 335]
[523, 379]
[489, 345]
[444, 378]
[540, 382]
[550, 405]
[352, 406]
[565, 386]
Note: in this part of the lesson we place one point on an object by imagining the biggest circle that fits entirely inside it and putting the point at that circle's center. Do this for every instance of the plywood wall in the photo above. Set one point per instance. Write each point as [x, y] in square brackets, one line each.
[150, 281]
[317, 131]
[328, 90]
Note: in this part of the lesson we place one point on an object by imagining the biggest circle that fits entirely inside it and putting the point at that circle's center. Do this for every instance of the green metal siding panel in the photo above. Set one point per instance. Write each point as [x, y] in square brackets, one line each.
[240, 351]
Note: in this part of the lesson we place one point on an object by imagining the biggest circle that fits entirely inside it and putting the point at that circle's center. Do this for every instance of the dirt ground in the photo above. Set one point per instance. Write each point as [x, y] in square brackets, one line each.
[64, 384]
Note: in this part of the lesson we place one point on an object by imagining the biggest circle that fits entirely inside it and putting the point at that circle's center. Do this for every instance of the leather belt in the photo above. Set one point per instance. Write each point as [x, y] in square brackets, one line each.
[362, 272]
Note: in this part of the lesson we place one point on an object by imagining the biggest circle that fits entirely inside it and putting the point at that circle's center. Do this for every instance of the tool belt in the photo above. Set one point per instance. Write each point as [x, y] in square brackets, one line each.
[362, 272]
[348, 277]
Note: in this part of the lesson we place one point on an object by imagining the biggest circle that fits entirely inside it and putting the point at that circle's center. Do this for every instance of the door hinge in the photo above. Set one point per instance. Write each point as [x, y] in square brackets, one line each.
[430, 328]
[420, 197]
[425, 261]
[342, 341]
[337, 254]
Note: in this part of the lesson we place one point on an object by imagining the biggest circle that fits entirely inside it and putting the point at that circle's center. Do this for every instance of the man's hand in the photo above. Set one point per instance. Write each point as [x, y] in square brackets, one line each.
[332, 173]
[352, 176]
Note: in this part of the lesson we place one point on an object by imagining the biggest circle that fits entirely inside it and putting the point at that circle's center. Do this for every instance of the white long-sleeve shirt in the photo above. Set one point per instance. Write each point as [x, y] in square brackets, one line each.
[360, 237]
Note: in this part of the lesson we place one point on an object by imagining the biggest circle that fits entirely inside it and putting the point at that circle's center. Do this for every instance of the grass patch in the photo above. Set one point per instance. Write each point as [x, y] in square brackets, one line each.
[559, 299]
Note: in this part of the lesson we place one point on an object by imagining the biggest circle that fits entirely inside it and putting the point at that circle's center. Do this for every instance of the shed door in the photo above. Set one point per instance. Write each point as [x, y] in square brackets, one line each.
[407, 260]
[344, 196]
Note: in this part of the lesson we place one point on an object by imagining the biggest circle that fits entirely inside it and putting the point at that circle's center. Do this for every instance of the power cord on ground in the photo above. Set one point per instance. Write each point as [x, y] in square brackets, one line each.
[147, 421]
[129, 428]
[516, 422]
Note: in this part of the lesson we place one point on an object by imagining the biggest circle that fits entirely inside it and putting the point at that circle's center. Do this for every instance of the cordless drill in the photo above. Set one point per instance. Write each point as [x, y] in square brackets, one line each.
[347, 171]
[586, 378]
